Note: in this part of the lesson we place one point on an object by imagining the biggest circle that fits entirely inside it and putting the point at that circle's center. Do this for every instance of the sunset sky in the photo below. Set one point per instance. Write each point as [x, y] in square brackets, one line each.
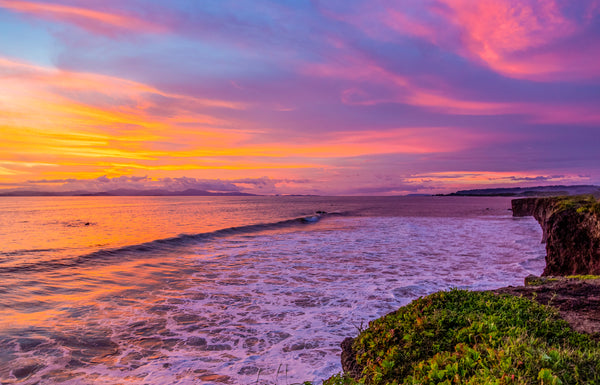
[290, 96]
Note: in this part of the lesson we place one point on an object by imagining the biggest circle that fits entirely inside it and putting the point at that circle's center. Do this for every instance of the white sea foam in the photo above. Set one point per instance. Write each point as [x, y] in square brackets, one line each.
[271, 307]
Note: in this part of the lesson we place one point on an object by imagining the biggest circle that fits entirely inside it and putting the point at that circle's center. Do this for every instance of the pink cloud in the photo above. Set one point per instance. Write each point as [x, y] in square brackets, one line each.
[519, 38]
[104, 23]
[525, 39]
[371, 84]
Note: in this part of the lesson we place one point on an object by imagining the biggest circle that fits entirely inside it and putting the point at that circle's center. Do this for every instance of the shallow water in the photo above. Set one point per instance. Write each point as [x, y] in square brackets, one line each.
[260, 290]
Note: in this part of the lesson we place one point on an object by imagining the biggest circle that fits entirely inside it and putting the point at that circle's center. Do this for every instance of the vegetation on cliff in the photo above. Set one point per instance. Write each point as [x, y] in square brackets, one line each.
[462, 337]
[581, 203]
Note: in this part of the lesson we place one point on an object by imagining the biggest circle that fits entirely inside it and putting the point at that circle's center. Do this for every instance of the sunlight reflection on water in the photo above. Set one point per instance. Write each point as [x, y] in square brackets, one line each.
[245, 305]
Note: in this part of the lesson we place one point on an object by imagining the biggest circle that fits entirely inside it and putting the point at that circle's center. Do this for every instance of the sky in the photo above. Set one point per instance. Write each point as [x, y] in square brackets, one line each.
[336, 97]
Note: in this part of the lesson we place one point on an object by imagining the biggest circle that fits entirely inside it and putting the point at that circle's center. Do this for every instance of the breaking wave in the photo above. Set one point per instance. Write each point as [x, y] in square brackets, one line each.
[164, 245]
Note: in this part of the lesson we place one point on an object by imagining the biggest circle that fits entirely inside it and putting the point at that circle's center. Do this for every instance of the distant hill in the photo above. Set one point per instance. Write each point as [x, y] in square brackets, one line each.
[531, 191]
[123, 192]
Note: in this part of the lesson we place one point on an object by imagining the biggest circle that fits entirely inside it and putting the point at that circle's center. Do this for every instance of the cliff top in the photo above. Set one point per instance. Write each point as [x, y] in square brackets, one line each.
[500, 337]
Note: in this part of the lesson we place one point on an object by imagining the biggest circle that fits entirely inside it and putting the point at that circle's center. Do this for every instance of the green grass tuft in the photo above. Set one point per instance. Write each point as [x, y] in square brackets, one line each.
[581, 203]
[583, 277]
[462, 337]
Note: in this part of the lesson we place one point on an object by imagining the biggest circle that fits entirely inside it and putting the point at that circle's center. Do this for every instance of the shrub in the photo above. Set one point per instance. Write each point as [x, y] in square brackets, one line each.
[462, 337]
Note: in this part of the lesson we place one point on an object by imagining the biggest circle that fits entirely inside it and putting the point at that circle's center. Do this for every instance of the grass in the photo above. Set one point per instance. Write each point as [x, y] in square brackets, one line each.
[538, 281]
[581, 203]
[462, 337]
[583, 277]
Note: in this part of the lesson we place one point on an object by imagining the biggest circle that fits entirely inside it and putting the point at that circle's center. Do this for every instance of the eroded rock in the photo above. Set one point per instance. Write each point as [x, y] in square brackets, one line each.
[571, 231]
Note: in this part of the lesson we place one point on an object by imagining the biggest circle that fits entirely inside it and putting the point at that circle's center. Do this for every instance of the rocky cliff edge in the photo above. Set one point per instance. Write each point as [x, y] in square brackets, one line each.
[571, 231]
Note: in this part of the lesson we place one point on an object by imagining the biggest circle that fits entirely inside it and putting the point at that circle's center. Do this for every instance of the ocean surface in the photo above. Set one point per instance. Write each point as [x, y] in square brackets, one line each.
[237, 290]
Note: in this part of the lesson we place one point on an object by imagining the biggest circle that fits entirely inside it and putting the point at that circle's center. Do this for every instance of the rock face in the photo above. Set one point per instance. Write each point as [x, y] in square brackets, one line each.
[572, 235]
[348, 358]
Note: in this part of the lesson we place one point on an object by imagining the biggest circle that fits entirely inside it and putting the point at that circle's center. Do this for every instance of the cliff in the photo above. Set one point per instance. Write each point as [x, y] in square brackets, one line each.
[571, 231]
[442, 338]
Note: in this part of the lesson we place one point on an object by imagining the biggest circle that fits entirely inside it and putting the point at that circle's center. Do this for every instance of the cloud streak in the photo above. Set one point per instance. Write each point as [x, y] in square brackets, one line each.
[96, 21]
[357, 97]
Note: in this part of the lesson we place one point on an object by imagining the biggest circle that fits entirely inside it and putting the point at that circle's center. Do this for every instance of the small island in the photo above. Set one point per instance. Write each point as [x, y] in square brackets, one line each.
[545, 332]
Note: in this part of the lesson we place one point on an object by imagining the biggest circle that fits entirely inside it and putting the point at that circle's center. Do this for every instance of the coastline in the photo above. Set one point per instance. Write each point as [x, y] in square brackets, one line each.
[568, 291]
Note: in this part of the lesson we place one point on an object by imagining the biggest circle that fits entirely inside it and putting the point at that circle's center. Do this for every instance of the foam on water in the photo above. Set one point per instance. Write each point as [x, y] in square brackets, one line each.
[265, 307]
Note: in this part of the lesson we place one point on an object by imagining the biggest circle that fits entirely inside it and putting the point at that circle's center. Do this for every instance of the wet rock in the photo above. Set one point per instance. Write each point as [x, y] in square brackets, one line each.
[196, 341]
[300, 346]
[148, 328]
[131, 358]
[27, 344]
[277, 336]
[183, 319]
[218, 347]
[307, 302]
[170, 343]
[161, 309]
[410, 291]
[26, 371]
[249, 342]
[248, 370]
[150, 343]
[150, 355]
[73, 363]
[88, 347]
[198, 296]
[166, 333]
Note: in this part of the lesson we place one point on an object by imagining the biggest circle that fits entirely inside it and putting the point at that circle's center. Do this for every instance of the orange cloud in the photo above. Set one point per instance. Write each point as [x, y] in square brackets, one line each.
[64, 118]
[60, 124]
[89, 19]
[475, 179]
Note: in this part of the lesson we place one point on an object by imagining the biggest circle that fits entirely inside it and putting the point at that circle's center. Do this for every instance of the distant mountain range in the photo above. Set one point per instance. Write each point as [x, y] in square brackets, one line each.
[531, 191]
[508, 191]
[124, 192]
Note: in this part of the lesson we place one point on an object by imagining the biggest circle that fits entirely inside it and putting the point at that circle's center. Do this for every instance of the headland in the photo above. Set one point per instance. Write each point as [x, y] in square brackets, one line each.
[545, 332]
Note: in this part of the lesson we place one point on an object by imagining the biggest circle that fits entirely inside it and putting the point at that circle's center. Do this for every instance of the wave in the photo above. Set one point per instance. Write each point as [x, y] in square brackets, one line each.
[26, 251]
[160, 245]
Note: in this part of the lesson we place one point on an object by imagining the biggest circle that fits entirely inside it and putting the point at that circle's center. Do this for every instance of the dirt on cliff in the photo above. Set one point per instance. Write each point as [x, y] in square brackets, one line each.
[577, 299]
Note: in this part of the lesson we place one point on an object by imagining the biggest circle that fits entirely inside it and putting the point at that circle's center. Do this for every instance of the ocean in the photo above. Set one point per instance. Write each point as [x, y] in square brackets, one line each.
[235, 290]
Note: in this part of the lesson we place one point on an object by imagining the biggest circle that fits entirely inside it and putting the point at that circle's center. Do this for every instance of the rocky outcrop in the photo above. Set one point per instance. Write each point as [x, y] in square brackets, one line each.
[348, 358]
[571, 230]
[577, 299]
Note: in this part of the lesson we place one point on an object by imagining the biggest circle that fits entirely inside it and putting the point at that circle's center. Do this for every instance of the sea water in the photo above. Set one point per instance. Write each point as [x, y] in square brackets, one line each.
[237, 290]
